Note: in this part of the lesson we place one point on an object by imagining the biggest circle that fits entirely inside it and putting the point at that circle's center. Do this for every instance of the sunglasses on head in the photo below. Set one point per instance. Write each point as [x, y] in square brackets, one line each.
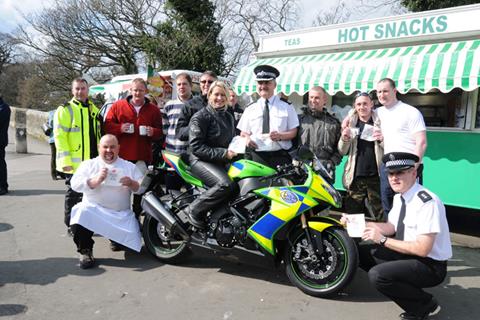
[205, 81]
[362, 94]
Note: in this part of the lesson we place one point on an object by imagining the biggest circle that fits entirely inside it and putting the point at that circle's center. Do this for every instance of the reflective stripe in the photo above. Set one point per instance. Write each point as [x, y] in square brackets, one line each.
[66, 129]
[76, 160]
[63, 154]
[70, 110]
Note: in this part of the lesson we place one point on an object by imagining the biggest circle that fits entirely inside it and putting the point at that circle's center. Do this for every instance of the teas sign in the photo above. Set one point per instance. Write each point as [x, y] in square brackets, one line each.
[394, 29]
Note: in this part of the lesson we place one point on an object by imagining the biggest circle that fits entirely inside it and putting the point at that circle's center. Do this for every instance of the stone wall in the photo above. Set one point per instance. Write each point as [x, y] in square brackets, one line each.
[35, 120]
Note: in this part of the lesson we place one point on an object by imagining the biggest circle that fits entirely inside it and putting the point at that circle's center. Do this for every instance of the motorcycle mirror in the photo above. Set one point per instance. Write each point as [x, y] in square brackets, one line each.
[304, 153]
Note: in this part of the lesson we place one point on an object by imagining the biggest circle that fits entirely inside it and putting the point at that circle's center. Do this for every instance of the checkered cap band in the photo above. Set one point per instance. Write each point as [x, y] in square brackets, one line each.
[400, 163]
[266, 75]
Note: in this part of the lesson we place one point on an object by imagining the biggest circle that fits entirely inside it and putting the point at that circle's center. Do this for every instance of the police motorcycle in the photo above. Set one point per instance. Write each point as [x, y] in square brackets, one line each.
[277, 216]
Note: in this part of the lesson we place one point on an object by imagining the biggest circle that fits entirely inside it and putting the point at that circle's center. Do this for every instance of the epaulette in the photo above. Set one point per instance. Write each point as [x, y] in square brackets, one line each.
[285, 100]
[250, 105]
[424, 196]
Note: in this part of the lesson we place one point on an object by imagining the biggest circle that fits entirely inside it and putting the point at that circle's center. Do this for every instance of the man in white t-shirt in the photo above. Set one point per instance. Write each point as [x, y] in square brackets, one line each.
[269, 124]
[107, 183]
[403, 130]
[411, 249]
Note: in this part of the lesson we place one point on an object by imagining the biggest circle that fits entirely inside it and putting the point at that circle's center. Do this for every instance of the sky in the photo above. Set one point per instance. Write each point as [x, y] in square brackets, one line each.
[10, 16]
[10, 11]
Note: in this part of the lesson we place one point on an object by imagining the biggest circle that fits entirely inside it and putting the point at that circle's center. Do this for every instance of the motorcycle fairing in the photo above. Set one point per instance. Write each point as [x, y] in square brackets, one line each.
[174, 161]
[318, 188]
[286, 204]
[246, 168]
[325, 223]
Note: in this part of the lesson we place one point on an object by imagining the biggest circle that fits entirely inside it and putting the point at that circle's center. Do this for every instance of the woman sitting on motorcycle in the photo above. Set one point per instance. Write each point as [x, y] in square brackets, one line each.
[211, 131]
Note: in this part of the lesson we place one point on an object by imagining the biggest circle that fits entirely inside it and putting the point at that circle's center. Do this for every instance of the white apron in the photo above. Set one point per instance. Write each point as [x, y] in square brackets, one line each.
[119, 226]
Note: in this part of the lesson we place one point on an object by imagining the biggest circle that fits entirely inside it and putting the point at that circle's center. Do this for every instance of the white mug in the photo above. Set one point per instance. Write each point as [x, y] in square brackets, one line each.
[131, 128]
[142, 130]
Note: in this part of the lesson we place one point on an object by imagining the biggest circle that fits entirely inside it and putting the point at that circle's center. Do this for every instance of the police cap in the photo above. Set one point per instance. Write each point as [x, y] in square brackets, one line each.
[398, 161]
[265, 72]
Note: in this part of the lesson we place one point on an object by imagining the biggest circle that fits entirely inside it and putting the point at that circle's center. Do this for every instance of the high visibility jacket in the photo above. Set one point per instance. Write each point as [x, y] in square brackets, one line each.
[72, 133]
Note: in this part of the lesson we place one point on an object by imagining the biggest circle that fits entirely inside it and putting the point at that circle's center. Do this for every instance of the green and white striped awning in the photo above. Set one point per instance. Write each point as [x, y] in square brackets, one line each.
[423, 67]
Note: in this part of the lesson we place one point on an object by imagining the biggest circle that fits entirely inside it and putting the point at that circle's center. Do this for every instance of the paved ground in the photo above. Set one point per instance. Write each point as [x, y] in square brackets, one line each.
[40, 277]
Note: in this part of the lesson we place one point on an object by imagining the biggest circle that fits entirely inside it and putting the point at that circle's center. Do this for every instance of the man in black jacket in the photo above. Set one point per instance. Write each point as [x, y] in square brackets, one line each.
[194, 105]
[4, 123]
[320, 131]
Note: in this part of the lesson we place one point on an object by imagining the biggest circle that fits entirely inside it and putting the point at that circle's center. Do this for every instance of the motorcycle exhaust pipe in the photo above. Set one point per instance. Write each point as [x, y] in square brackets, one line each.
[152, 206]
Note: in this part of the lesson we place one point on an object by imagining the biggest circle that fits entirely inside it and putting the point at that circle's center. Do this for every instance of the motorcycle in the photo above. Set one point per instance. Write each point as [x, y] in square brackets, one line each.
[277, 215]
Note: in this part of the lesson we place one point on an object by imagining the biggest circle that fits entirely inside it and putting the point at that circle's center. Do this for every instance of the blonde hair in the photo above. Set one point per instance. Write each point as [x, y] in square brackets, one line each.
[221, 85]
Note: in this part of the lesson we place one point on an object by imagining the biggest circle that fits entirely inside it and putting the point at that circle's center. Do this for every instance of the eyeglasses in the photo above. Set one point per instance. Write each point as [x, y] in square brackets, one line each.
[205, 81]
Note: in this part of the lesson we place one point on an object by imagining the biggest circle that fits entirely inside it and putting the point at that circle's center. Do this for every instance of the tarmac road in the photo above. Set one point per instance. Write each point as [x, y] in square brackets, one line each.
[40, 277]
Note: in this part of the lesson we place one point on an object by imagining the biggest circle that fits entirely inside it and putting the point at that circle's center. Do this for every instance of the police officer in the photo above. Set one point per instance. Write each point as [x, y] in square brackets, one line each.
[269, 120]
[411, 249]
[77, 133]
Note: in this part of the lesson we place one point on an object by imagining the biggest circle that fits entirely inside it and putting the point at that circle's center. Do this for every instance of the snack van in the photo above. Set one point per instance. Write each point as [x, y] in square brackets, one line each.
[434, 58]
[161, 85]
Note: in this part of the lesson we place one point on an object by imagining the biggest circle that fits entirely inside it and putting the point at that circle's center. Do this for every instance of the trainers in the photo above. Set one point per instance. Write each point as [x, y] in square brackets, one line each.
[430, 308]
[86, 259]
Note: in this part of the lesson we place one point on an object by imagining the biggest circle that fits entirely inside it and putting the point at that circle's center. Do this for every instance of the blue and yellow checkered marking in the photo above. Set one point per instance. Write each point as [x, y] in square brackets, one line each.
[235, 169]
[317, 190]
[238, 165]
[281, 212]
[269, 225]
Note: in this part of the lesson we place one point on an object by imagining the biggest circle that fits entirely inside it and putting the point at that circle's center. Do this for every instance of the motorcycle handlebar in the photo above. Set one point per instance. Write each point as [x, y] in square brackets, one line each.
[283, 171]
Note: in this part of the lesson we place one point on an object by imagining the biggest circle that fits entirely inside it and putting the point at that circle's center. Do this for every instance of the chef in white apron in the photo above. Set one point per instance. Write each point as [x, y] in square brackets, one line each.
[107, 183]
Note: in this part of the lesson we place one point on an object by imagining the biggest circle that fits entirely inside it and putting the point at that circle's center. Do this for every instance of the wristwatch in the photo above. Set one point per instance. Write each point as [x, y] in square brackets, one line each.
[383, 239]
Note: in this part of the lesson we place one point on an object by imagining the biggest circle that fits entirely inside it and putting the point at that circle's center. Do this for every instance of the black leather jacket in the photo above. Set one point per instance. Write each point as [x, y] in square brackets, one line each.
[190, 107]
[211, 131]
[320, 131]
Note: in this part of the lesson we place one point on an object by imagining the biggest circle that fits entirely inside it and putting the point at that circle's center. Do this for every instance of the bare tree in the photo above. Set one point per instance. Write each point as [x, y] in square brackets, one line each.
[337, 14]
[7, 49]
[394, 7]
[244, 21]
[82, 34]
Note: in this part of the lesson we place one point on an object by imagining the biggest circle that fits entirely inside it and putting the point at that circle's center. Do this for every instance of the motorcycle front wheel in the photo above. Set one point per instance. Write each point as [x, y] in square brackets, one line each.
[321, 275]
[166, 247]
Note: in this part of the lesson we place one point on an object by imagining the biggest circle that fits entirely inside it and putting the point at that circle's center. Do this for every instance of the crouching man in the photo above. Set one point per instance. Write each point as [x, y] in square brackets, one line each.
[107, 183]
[411, 250]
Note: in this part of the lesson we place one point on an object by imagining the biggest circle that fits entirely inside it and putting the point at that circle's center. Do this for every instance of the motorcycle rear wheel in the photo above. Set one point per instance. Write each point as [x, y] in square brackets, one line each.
[168, 249]
[330, 272]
